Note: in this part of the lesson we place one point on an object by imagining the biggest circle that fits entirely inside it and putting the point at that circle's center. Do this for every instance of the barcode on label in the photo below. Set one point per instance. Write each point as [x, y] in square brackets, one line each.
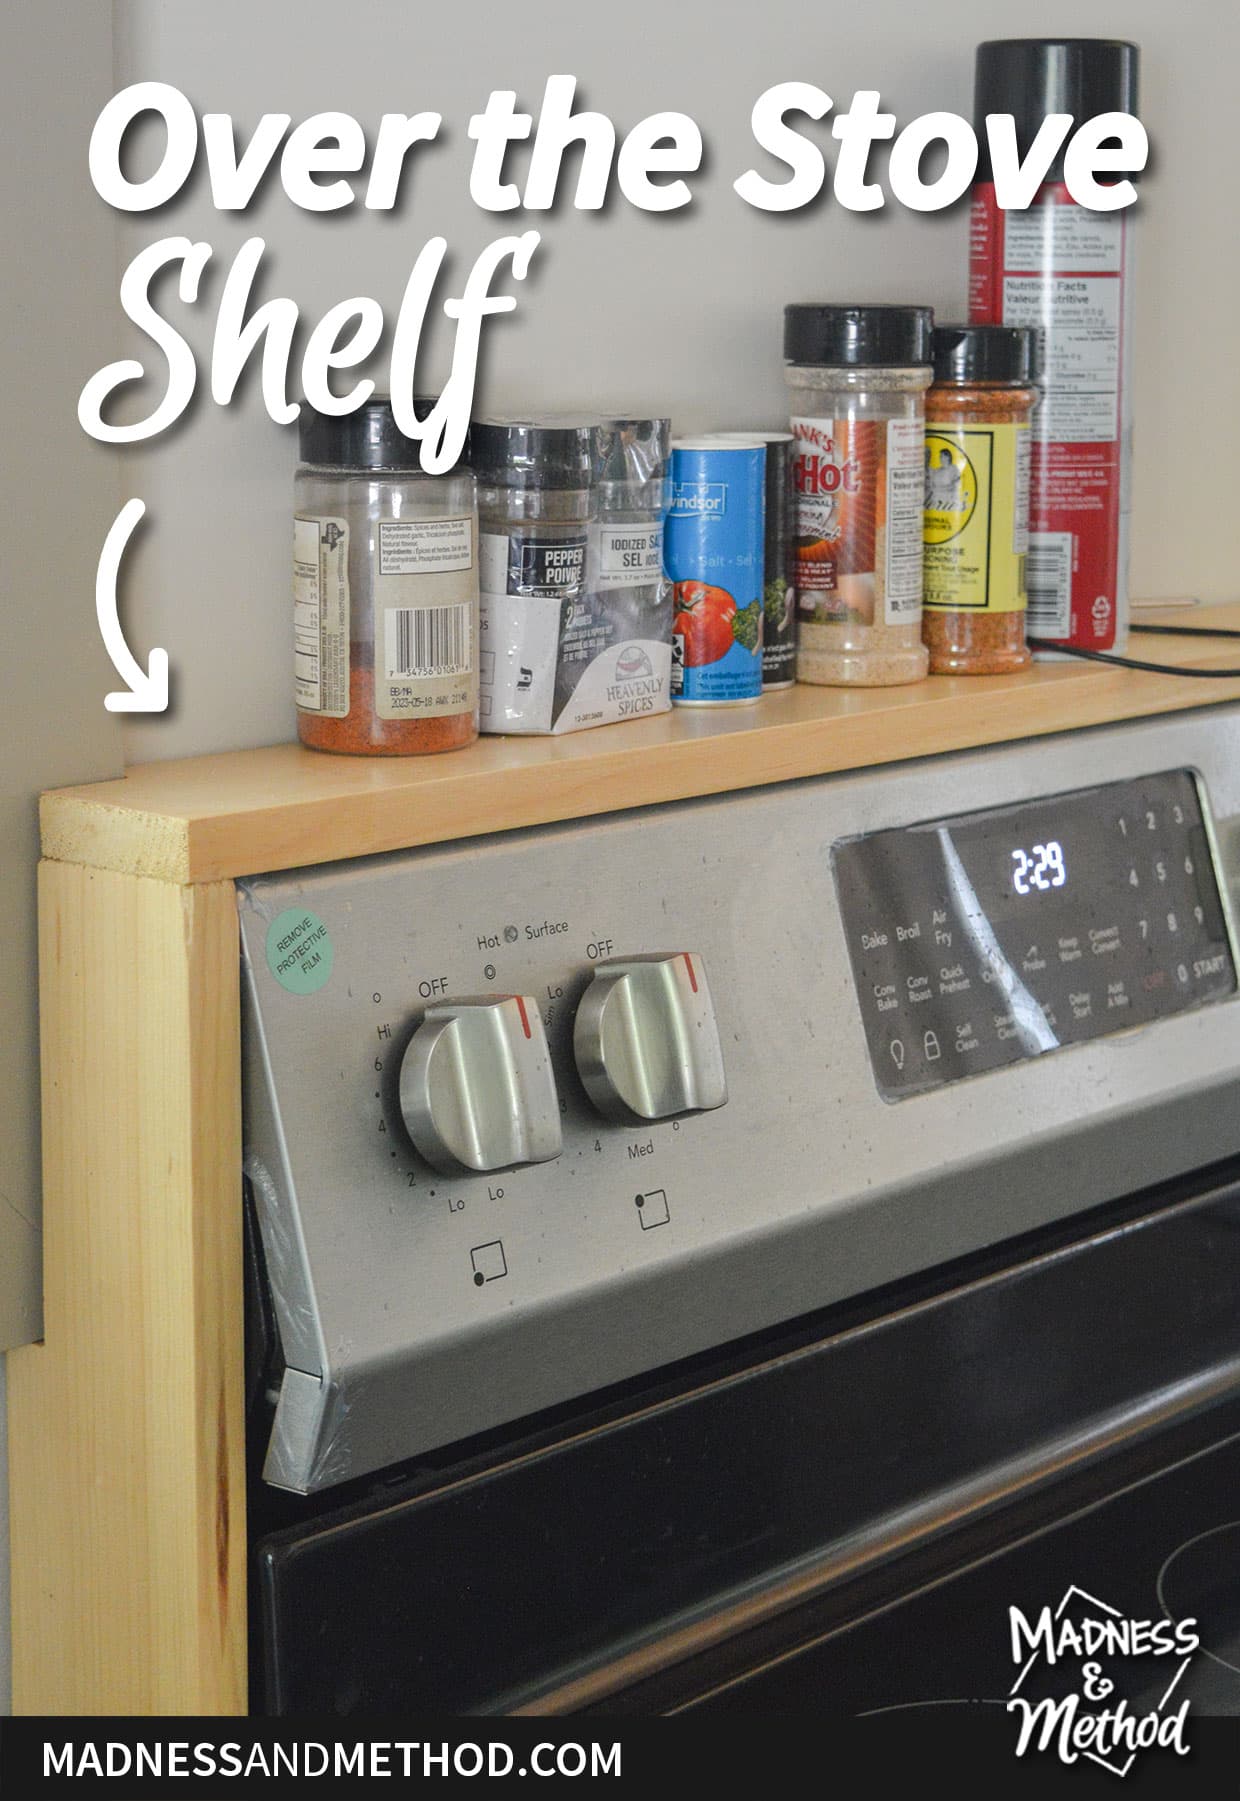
[428, 641]
[1048, 583]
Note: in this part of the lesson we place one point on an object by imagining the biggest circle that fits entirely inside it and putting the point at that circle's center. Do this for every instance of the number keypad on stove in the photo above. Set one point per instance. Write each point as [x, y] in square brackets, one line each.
[996, 936]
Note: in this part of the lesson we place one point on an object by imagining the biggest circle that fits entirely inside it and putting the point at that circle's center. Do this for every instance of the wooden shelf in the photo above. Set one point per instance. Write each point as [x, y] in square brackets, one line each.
[219, 817]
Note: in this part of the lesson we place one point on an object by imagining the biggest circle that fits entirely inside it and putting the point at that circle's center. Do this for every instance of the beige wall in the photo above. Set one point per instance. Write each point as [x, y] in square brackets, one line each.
[679, 313]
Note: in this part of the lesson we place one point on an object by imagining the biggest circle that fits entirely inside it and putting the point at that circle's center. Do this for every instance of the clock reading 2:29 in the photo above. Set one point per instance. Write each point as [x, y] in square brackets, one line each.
[1042, 867]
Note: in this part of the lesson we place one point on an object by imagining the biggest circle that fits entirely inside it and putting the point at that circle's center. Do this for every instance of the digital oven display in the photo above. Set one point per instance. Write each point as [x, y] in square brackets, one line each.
[986, 939]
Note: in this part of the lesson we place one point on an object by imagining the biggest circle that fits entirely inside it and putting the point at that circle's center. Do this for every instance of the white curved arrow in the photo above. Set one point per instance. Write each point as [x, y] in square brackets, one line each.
[148, 688]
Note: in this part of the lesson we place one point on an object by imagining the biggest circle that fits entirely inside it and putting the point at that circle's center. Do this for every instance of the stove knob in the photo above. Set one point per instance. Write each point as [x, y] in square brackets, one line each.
[476, 1088]
[646, 1041]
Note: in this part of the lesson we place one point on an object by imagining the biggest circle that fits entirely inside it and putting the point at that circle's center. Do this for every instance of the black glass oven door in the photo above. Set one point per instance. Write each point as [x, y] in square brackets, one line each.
[710, 1542]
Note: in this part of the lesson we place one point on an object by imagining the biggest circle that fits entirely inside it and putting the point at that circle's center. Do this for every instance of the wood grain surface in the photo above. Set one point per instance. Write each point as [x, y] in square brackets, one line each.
[216, 817]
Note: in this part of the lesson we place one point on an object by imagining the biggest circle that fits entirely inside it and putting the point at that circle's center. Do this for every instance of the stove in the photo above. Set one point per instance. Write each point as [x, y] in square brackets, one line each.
[1155, 1551]
[785, 1143]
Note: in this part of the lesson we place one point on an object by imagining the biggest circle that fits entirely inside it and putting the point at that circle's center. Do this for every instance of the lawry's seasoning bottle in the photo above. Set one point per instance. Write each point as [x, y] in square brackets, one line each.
[385, 590]
[857, 378]
[977, 499]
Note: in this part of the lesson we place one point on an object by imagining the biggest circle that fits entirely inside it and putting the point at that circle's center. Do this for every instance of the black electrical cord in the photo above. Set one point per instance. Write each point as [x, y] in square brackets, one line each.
[1185, 631]
[1162, 631]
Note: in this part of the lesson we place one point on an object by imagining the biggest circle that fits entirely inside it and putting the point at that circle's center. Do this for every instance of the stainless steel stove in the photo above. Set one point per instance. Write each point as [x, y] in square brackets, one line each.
[586, 1120]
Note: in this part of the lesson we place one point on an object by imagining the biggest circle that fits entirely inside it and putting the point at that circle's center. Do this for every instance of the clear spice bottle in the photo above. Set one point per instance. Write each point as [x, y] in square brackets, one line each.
[535, 499]
[977, 498]
[857, 377]
[627, 541]
[385, 590]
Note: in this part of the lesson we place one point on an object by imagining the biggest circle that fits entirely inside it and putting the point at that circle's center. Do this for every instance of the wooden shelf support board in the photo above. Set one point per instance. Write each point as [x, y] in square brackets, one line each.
[127, 1492]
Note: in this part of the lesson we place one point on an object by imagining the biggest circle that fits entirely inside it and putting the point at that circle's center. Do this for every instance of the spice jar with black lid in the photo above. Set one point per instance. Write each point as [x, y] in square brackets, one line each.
[385, 589]
[857, 377]
[535, 503]
[977, 498]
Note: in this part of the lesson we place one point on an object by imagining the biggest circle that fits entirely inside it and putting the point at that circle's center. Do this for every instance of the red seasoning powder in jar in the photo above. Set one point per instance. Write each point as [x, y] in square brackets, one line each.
[976, 523]
[385, 590]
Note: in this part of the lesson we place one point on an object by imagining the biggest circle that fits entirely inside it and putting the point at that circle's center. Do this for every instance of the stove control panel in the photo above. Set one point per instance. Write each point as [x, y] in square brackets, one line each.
[476, 1087]
[646, 1040]
[989, 938]
[485, 1082]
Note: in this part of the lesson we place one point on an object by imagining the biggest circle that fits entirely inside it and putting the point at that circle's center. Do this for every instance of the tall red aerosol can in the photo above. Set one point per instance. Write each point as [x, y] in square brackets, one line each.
[1066, 270]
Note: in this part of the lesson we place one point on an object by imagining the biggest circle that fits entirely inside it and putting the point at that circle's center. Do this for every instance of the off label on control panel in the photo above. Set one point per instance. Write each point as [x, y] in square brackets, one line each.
[994, 937]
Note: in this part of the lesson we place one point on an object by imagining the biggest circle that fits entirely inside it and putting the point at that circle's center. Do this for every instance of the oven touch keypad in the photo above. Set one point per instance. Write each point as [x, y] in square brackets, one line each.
[989, 938]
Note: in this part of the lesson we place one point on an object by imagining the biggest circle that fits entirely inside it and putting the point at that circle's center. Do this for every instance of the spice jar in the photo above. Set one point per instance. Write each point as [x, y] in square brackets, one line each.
[857, 377]
[629, 503]
[977, 498]
[385, 590]
[630, 597]
[535, 497]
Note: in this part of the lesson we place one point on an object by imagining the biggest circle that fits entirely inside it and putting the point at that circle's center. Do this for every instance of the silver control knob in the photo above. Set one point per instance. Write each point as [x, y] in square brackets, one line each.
[646, 1040]
[476, 1088]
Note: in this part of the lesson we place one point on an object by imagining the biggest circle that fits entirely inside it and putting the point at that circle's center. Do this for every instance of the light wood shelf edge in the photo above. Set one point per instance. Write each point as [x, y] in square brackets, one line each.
[126, 1459]
[125, 839]
[240, 813]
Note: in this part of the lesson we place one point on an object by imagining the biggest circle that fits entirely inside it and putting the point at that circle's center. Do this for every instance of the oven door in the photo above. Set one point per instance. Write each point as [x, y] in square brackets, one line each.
[837, 1518]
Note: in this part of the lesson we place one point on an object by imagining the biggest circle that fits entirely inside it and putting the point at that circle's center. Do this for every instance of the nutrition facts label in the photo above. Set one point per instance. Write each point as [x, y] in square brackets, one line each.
[1084, 254]
[906, 483]
[1080, 396]
[321, 615]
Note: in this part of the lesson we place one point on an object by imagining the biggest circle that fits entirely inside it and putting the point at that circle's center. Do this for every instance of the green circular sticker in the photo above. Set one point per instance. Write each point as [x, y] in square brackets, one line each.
[299, 950]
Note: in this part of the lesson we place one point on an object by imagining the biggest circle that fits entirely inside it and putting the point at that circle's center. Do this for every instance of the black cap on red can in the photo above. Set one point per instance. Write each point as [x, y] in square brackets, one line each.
[1032, 77]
